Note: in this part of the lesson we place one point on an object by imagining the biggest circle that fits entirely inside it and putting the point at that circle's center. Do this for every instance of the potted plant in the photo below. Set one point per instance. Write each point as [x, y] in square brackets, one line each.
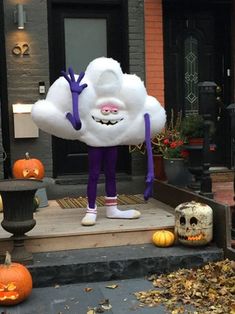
[171, 143]
[192, 128]
[159, 172]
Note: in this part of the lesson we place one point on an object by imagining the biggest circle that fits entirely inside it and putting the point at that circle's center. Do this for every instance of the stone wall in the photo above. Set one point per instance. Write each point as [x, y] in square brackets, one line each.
[25, 71]
[136, 37]
[137, 62]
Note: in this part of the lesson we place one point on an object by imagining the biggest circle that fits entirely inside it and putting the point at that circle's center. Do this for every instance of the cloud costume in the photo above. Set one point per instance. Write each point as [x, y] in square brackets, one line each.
[103, 108]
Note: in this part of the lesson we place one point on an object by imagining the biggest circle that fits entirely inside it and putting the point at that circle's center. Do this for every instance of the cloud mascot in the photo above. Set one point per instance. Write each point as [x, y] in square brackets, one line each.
[103, 108]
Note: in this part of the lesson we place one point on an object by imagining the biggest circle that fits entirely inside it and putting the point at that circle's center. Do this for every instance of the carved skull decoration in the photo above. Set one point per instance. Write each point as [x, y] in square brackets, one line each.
[194, 223]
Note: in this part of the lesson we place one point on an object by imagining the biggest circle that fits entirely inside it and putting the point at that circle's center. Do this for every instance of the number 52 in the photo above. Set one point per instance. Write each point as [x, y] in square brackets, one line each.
[21, 49]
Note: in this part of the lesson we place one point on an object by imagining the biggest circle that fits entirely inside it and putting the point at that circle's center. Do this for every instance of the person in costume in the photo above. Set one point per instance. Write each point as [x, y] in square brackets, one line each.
[103, 108]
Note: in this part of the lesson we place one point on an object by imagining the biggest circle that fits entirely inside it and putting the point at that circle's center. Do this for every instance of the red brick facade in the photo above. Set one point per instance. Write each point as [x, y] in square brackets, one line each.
[154, 49]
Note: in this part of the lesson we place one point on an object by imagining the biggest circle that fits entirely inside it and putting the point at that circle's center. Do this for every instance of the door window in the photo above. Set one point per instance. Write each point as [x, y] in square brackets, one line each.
[85, 40]
[191, 75]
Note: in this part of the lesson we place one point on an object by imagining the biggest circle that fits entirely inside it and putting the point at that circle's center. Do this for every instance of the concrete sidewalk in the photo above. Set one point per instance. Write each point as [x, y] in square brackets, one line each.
[77, 299]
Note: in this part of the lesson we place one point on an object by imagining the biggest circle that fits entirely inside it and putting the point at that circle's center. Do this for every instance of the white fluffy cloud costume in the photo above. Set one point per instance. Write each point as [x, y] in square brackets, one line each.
[108, 109]
[106, 85]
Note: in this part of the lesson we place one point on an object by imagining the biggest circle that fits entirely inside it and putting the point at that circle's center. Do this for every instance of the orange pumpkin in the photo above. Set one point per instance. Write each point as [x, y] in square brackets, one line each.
[15, 282]
[163, 238]
[28, 168]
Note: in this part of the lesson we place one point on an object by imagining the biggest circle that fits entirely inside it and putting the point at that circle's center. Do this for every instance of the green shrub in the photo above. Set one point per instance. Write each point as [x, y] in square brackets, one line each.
[192, 126]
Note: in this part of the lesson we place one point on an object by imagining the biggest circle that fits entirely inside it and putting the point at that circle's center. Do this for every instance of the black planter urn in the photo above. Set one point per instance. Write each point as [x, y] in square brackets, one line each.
[18, 209]
[195, 166]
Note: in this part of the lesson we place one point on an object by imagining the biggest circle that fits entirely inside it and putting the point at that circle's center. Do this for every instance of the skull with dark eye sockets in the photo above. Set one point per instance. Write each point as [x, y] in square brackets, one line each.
[193, 223]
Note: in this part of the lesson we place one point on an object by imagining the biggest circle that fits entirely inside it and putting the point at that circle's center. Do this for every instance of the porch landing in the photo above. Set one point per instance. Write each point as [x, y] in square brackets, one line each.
[60, 229]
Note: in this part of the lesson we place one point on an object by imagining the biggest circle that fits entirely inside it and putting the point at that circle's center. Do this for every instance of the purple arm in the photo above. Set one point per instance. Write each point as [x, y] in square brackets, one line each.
[150, 175]
[76, 90]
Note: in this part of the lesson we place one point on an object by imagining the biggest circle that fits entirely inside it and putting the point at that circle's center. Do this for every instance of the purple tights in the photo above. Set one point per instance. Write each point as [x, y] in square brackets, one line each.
[97, 156]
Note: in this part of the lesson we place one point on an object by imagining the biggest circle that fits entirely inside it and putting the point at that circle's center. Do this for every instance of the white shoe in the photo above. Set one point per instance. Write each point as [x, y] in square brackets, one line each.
[90, 218]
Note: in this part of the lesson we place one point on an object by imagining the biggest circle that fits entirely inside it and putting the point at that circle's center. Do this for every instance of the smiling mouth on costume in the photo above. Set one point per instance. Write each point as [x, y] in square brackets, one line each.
[106, 121]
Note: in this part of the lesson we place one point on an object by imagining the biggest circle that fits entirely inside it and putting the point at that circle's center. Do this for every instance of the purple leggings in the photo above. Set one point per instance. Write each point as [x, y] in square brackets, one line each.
[97, 156]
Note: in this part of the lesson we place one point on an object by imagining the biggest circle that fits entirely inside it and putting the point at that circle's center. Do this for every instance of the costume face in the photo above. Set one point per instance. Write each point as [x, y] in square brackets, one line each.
[193, 223]
[111, 108]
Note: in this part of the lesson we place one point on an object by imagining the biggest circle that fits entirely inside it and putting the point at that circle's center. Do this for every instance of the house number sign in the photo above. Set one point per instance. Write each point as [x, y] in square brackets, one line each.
[21, 49]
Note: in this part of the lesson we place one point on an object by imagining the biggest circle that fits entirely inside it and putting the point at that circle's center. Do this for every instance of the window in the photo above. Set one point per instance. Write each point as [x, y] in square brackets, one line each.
[191, 75]
[85, 40]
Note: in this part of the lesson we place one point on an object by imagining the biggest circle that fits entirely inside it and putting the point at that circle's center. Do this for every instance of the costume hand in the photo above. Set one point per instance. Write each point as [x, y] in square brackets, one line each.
[149, 187]
[75, 86]
[76, 90]
[76, 123]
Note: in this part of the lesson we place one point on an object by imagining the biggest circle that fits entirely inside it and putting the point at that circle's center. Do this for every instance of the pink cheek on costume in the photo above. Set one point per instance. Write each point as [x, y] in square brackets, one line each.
[110, 108]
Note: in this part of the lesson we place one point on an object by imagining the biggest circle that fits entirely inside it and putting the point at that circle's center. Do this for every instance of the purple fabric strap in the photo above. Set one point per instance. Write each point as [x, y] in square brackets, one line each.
[150, 175]
[96, 157]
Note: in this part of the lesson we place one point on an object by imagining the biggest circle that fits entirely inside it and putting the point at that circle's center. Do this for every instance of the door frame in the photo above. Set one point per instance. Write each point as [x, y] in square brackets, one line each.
[55, 71]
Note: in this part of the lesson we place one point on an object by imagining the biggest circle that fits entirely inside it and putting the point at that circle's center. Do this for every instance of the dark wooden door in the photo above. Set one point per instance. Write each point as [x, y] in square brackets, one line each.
[79, 32]
[196, 49]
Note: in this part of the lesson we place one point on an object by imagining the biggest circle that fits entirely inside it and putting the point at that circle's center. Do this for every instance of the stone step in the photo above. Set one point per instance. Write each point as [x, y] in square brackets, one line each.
[114, 263]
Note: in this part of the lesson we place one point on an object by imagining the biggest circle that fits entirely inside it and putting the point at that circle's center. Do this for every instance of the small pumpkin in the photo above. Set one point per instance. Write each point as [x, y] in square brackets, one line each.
[163, 238]
[15, 282]
[28, 168]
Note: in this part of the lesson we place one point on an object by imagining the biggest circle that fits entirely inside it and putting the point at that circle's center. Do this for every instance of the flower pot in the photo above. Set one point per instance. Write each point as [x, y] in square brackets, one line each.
[196, 141]
[159, 171]
[176, 171]
[195, 160]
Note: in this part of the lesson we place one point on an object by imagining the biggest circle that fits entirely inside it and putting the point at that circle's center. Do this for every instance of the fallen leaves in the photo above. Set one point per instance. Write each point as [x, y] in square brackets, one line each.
[104, 305]
[209, 289]
[87, 289]
[114, 286]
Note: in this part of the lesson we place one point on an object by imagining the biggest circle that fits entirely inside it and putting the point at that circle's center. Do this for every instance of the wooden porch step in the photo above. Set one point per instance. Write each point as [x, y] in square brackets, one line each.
[60, 229]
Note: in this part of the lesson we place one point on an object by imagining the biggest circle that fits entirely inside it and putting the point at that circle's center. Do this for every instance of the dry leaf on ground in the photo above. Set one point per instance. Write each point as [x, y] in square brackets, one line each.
[209, 289]
[112, 286]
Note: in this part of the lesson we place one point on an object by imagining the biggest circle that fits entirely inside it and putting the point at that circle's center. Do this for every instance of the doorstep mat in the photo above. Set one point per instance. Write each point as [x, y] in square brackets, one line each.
[81, 202]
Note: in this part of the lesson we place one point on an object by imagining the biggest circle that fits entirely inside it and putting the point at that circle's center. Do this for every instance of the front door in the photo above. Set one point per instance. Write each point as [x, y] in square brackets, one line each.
[196, 49]
[79, 33]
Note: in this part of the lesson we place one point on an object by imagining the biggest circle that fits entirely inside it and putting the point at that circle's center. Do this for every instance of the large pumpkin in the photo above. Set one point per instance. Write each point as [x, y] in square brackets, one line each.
[28, 168]
[163, 238]
[15, 282]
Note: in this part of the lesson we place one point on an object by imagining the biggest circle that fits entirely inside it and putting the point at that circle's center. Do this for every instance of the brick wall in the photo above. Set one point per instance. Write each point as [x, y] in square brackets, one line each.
[24, 73]
[154, 49]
